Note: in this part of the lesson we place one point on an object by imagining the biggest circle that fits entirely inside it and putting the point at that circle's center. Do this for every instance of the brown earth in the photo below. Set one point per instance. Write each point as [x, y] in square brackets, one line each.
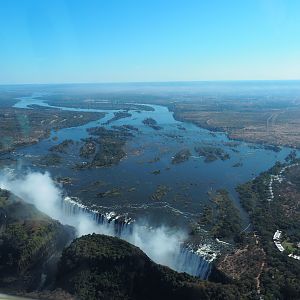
[21, 127]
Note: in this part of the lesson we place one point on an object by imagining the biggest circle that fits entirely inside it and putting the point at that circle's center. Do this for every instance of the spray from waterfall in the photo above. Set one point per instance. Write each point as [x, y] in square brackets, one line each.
[162, 244]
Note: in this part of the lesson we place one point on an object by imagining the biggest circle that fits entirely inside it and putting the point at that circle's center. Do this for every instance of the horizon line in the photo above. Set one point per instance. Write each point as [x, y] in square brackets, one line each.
[149, 82]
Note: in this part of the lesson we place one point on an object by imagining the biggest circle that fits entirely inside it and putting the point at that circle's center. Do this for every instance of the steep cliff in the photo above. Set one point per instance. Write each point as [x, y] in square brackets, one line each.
[29, 240]
[102, 267]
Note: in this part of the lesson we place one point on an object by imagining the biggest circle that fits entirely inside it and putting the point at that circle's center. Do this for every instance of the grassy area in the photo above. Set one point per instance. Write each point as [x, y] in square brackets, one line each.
[260, 124]
[288, 246]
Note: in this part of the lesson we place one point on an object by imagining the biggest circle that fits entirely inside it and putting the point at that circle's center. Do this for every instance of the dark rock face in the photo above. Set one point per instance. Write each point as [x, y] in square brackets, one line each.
[102, 267]
[28, 238]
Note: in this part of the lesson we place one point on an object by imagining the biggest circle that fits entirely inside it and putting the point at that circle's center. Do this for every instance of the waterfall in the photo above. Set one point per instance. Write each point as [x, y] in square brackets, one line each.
[183, 260]
[118, 226]
[190, 262]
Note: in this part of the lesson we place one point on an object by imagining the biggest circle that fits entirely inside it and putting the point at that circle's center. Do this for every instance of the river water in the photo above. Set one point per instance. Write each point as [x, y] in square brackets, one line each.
[148, 168]
[187, 183]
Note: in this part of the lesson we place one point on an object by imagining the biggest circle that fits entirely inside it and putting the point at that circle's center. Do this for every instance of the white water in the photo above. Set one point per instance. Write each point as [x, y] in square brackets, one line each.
[162, 244]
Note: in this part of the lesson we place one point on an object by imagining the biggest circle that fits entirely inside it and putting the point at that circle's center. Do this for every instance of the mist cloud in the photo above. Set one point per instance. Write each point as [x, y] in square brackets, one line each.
[161, 244]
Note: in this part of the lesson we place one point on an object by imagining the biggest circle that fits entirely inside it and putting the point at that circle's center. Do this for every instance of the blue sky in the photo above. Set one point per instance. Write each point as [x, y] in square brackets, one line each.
[53, 41]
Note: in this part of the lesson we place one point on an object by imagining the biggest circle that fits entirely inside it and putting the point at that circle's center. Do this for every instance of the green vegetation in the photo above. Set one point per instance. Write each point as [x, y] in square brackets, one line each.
[290, 247]
[152, 123]
[51, 159]
[105, 147]
[102, 267]
[21, 127]
[222, 218]
[114, 192]
[88, 149]
[238, 164]
[100, 100]
[111, 153]
[272, 148]
[23, 241]
[291, 156]
[156, 172]
[27, 239]
[125, 128]
[212, 153]
[130, 127]
[280, 278]
[119, 115]
[62, 147]
[181, 156]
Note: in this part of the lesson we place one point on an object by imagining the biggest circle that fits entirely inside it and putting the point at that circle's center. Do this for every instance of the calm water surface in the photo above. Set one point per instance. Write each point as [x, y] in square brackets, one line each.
[187, 183]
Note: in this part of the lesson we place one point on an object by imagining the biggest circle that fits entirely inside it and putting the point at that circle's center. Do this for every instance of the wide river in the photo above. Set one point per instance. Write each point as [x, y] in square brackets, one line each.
[186, 184]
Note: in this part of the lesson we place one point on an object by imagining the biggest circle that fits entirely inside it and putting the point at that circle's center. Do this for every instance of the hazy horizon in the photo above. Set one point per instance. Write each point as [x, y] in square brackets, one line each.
[154, 82]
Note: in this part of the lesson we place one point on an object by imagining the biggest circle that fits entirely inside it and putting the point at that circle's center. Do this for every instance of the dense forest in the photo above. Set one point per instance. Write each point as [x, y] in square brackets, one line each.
[280, 278]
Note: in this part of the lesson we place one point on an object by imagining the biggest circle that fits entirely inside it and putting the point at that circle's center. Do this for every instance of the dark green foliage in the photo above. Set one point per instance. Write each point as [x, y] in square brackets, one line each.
[22, 242]
[88, 149]
[212, 153]
[119, 115]
[222, 218]
[152, 123]
[101, 267]
[62, 147]
[281, 278]
[291, 156]
[181, 156]
[27, 239]
[109, 145]
[51, 159]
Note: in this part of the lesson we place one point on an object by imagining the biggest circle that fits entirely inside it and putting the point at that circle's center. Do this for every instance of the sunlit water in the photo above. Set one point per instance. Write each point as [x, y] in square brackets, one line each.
[188, 182]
